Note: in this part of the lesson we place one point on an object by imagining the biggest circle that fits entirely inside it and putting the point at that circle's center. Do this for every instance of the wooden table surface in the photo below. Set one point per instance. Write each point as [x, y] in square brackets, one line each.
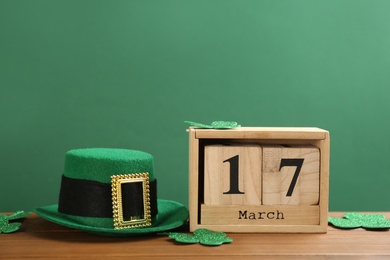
[38, 238]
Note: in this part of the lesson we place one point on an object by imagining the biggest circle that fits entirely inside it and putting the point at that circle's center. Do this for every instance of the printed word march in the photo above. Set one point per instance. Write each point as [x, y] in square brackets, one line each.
[260, 215]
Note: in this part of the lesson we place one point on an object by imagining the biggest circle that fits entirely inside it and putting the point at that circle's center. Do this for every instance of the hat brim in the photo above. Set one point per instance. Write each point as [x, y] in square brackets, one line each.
[171, 215]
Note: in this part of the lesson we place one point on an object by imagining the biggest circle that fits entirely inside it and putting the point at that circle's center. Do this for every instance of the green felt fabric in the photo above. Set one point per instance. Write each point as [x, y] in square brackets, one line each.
[99, 164]
[171, 215]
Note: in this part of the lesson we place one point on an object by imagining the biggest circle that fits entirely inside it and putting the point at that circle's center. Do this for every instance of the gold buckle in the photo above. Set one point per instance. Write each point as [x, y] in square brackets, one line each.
[117, 207]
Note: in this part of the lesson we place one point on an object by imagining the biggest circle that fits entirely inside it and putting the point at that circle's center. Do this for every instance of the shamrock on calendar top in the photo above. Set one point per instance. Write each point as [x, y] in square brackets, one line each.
[215, 124]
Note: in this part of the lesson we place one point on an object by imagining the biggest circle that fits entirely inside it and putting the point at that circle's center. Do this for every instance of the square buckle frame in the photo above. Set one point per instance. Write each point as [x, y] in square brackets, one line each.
[117, 206]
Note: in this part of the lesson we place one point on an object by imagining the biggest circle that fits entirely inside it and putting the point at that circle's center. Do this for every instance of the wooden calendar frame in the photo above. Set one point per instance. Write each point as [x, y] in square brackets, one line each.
[317, 216]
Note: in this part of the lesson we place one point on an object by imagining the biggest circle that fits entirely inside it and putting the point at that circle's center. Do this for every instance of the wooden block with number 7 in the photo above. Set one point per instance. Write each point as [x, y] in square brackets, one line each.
[291, 175]
[232, 174]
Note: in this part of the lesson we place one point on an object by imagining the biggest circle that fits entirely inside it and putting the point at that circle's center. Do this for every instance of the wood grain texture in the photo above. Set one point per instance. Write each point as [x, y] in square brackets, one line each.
[40, 239]
[277, 181]
[311, 133]
[194, 182]
[256, 216]
[217, 172]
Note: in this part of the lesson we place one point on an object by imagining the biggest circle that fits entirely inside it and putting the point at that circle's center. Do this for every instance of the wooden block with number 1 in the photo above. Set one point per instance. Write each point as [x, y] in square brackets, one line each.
[232, 174]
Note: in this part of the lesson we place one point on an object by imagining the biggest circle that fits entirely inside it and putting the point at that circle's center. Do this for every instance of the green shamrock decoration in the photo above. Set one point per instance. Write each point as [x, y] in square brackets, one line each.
[6, 227]
[18, 215]
[356, 220]
[215, 124]
[202, 236]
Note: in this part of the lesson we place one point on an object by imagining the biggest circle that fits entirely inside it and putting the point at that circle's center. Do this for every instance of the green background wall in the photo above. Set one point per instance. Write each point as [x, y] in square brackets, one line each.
[126, 74]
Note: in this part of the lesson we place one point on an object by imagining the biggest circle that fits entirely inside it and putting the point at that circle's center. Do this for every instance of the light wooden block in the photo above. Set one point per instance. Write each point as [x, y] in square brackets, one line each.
[232, 174]
[291, 175]
[256, 216]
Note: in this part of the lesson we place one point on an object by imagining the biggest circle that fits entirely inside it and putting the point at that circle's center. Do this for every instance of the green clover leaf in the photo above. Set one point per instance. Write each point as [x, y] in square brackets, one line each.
[184, 238]
[202, 236]
[9, 228]
[356, 220]
[6, 227]
[211, 238]
[224, 124]
[215, 124]
[18, 215]
[3, 219]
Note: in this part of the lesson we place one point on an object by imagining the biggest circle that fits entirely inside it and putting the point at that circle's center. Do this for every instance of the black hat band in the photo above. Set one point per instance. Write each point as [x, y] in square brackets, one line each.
[88, 198]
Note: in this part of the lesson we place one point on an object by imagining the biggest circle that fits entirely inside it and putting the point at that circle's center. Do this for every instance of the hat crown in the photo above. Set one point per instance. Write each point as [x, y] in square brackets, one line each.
[99, 164]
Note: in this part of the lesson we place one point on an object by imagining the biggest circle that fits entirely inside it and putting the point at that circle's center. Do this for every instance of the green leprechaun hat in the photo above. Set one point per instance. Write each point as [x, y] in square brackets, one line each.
[112, 192]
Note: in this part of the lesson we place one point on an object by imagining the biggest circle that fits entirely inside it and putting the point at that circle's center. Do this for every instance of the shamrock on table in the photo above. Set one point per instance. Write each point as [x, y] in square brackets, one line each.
[215, 124]
[6, 227]
[356, 220]
[202, 236]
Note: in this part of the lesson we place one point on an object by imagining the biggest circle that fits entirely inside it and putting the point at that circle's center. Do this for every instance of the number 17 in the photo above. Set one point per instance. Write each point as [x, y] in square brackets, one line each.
[234, 173]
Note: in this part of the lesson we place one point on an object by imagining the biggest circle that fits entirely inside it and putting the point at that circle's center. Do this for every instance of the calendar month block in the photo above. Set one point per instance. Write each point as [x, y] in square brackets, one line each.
[291, 175]
[232, 174]
[266, 215]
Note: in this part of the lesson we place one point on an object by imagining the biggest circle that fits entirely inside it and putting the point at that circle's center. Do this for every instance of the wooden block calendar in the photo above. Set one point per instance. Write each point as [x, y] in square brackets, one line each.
[259, 179]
